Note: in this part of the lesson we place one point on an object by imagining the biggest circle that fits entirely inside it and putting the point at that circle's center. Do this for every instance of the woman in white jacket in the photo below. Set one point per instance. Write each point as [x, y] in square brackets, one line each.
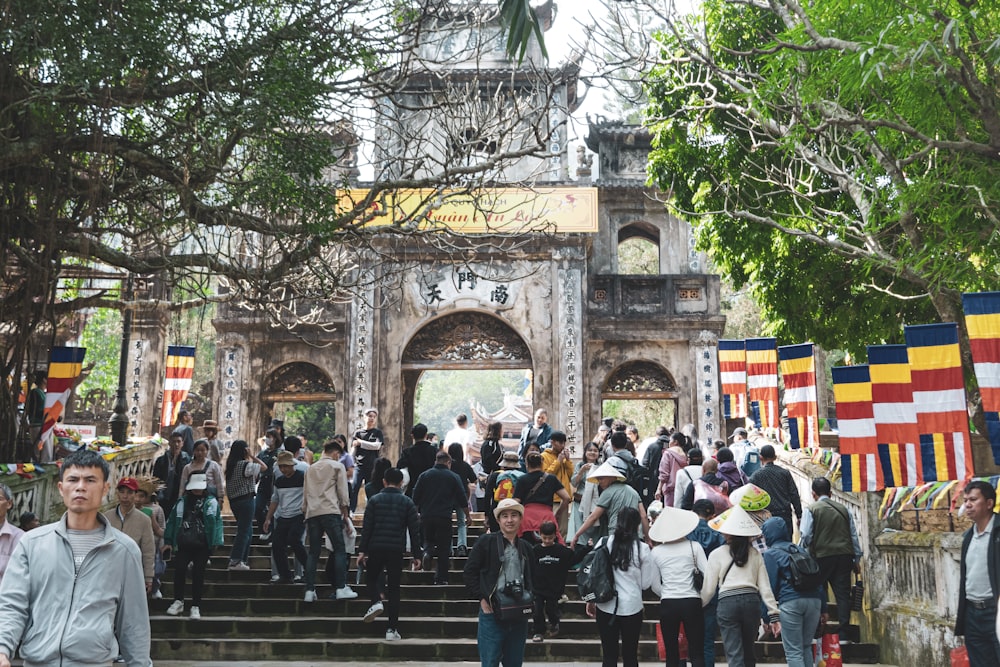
[635, 571]
[737, 571]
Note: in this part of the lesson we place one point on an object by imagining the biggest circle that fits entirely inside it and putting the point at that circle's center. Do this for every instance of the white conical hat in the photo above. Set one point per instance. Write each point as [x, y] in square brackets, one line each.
[739, 523]
[672, 524]
[606, 470]
[750, 497]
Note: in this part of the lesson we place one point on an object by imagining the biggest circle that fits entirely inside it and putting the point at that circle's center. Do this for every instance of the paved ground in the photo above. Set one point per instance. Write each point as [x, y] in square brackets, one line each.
[177, 663]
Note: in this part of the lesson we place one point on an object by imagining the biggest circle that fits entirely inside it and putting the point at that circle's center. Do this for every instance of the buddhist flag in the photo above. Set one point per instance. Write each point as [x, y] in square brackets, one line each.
[65, 365]
[762, 379]
[733, 373]
[180, 370]
[939, 398]
[982, 319]
[798, 370]
[852, 390]
[895, 415]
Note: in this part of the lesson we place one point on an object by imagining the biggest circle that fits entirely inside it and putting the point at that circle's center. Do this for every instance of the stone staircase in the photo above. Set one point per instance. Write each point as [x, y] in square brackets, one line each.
[246, 618]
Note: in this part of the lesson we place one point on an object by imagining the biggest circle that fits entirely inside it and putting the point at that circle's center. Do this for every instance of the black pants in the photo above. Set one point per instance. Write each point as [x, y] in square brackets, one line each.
[391, 562]
[545, 605]
[184, 557]
[836, 571]
[611, 627]
[288, 533]
[437, 540]
[689, 612]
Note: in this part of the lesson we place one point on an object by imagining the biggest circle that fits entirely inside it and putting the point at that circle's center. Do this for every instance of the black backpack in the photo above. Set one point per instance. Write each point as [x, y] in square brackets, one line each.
[636, 475]
[192, 530]
[596, 578]
[806, 577]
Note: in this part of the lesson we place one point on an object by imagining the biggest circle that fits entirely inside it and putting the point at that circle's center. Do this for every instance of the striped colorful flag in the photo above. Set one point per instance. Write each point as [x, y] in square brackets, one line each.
[982, 319]
[798, 370]
[852, 390]
[733, 375]
[65, 365]
[895, 415]
[762, 379]
[939, 398]
[180, 370]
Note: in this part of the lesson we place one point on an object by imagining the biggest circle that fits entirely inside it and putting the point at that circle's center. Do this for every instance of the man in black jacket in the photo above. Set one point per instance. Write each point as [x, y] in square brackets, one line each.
[389, 516]
[437, 494]
[418, 457]
[167, 468]
[979, 579]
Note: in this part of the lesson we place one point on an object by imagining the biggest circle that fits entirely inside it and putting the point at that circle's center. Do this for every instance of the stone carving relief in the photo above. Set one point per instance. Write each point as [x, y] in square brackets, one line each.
[640, 376]
[300, 378]
[467, 337]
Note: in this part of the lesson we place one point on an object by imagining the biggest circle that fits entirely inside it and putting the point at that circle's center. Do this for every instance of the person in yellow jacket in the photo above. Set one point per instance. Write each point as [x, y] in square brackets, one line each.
[556, 461]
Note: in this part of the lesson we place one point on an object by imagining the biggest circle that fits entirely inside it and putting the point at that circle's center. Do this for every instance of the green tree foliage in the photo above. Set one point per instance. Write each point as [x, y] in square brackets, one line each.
[638, 256]
[840, 158]
[443, 395]
[102, 336]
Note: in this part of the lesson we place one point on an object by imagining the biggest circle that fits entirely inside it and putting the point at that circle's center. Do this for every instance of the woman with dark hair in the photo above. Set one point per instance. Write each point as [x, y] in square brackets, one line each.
[535, 490]
[378, 473]
[242, 469]
[491, 449]
[635, 571]
[193, 530]
[464, 471]
[203, 463]
[586, 465]
[672, 461]
[738, 573]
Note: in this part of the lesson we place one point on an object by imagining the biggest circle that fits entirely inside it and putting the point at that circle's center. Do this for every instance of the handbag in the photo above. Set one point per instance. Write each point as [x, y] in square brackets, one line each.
[857, 594]
[512, 603]
[697, 576]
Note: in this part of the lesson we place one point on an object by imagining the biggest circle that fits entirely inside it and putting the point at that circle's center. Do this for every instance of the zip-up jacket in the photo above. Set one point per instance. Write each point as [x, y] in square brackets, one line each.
[482, 569]
[139, 527]
[388, 516]
[211, 513]
[64, 618]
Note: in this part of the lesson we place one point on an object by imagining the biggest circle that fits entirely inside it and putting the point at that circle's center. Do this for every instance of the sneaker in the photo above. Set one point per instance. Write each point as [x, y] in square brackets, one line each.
[462, 550]
[310, 596]
[373, 612]
[265, 537]
[275, 578]
[157, 595]
[346, 593]
[537, 639]
[392, 635]
[298, 579]
[239, 567]
[553, 632]
[195, 614]
[176, 608]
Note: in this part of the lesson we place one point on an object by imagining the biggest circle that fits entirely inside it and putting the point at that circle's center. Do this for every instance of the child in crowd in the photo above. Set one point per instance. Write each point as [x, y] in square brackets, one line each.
[552, 563]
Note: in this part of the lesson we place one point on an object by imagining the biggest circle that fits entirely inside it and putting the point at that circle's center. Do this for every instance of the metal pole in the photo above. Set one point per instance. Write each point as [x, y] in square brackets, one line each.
[119, 417]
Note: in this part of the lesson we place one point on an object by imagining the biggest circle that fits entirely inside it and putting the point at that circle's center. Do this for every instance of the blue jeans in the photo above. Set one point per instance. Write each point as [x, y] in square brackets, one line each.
[333, 526]
[462, 540]
[243, 509]
[739, 620]
[711, 627]
[981, 636]
[501, 642]
[799, 619]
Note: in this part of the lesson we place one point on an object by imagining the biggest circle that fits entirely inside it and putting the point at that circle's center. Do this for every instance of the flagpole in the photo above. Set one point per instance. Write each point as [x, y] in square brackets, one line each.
[119, 417]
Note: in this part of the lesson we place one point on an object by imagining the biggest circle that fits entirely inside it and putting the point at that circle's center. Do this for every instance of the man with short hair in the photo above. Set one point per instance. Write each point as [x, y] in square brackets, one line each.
[979, 578]
[437, 494]
[685, 477]
[286, 512]
[168, 468]
[367, 444]
[464, 436]
[828, 532]
[537, 432]
[556, 461]
[326, 503]
[134, 523]
[739, 444]
[389, 517]
[186, 431]
[10, 534]
[418, 457]
[780, 485]
[76, 584]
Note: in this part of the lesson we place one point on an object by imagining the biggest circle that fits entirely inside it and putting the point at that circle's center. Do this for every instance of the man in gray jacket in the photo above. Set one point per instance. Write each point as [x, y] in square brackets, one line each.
[74, 592]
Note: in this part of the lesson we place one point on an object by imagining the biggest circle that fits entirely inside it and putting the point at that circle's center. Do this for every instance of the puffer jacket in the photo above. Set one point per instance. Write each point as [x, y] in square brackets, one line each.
[388, 516]
[64, 618]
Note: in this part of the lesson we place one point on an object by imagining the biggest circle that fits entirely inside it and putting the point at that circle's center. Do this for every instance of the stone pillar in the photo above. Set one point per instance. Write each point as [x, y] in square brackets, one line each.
[568, 359]
[358, 382]
[147, 358]
[232, 369]
[708, 405]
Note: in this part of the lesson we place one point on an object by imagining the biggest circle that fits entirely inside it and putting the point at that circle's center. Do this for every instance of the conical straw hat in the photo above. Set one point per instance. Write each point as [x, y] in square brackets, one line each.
[738, 522]
[672, 524]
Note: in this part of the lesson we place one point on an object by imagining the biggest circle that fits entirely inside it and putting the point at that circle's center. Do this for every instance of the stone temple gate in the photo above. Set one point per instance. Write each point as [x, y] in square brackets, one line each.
[558, 303]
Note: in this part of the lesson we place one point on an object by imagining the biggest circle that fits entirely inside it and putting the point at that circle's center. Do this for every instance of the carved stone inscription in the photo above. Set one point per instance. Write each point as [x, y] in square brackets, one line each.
[571, 345]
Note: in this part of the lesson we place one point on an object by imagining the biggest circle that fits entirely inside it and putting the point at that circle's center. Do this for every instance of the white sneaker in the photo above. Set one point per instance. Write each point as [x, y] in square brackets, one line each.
[157, 595]
[310, 596]
[176, 608]
[195, 614]
[392, 635]
[239, 567]
[346, 593]
[275, 578]
[373, 612]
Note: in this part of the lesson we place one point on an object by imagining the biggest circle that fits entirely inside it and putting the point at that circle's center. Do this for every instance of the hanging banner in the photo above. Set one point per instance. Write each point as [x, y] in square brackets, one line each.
[852, 391]
[65, 365]
[762, 379]
[982, 319]
[177, 383]
[798, 371]
[895, 415]
[939, 399]
[733, 378]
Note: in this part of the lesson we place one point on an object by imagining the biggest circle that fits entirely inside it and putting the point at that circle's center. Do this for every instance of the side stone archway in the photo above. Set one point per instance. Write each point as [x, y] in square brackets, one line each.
[642, 381]
[297, 382]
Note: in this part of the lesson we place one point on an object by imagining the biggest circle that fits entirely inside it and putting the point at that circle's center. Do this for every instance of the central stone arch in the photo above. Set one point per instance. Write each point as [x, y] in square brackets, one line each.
[466, 340]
